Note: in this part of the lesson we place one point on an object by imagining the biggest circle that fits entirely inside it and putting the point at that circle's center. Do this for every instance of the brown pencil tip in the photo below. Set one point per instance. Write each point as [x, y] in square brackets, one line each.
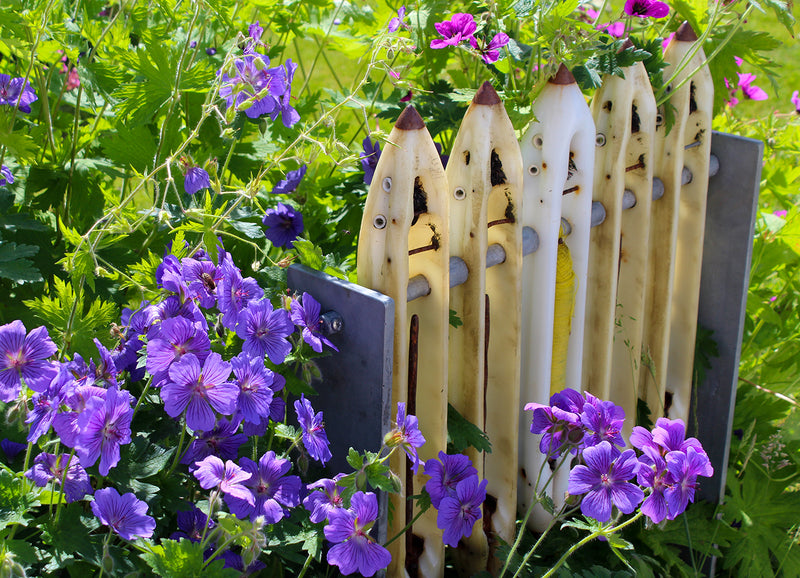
[409, 119]
[625, 45]
[685, 33]
[563, 76]
[486, 95]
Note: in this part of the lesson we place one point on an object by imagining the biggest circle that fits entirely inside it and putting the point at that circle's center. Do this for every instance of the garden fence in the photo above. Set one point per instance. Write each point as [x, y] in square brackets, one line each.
[581, 256]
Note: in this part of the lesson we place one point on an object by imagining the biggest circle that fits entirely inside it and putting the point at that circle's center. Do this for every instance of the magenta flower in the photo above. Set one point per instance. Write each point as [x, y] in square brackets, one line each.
[646, 8]
[255, 392]
[265, 330]
[795, 102]
[458, 514]
[283, 225]
[271, 491]
[604, 480]
[406, 434]
[446, 474]
[305, 314]
[48, 467]
[24, 357]
[103, 426]
[322, 503]
[354, 549]
[125, 514]
[196, 180]
[212, 472]
[199, 390]
[315, 440]
[750, 90]
[490, 52]
[460, 27]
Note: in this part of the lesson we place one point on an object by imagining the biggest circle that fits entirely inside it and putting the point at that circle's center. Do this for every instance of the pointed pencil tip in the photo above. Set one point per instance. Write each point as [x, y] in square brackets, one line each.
[486, 95]
[409, 119]
[685, 33]
[563, 76]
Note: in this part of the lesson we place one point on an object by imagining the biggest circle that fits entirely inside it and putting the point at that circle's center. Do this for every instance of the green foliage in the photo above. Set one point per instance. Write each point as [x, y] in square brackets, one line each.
[16, 501]
[462, 434]
[184, 559]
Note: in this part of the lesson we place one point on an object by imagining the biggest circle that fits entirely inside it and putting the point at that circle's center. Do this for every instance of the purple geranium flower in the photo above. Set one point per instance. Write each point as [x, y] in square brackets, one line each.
[322, 503]
[406, 434]
[653, 474]
[105, 372]
[646, 8]
[795, 102]
[458, 514]
[273, 492]
[255, 383]
[6, 177]
[396, 22]
[354, 549]
[11, 448]
[24, 357]
[211, 51]
[192, 524]
[177, 337]
[604, 480]
[212, 472]
[684, 467]
[16, 92]
[369, 158]
[603, 421]
[460, 27]
[234, 293]
[749, 89]
[490, 52]
[265, 330]
[255, 88]
[221, 441]
[446, 474]
[199, 390]
[305, 314]
[283, 225]
[196, 179]
[104, 425]
[315, 440]
[290, 183]
[559, 422]
[46, 405]
[235, 561]
[289, 116]
[124, 514]
[201, 278]
[48, 467]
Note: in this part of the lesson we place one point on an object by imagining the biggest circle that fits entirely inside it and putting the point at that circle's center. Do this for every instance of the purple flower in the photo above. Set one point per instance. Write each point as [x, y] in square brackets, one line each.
[104, 425]
[322, 503]
[491, 52]
[369, 158]
[66, 422]
[16, 92]
[306, 316]
[795, 102]
[201, 279]
[396, 22]
[199, 390]
[211, 51]
[559, 422]
[5, 176]
[446, 474]
[234, 293]
[646, 8]
[460, 27]
[668, 435]
[11, 448]
[124, 514]
[406, 434]
[235, 561]
[603, 421]
[105, 373]
[750, 90]
[211, 472]
[192, 524]
[458, 514]
[290, 183]
[221, 441]
[254, 31]
[24, 357]
[684, 467]
[47, 467]
[283, 225]
[265, 330]
[354, 549]
[177, 337]
[289, 116]
[604, 480]
[255, 383]
[315, 440]
[196, 179]
[255, 88]
[653, 474]
[46, 405]
[272, 490]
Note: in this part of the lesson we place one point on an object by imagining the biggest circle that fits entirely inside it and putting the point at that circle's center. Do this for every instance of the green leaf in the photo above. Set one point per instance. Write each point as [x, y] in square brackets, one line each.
[355, 459]
[184, 559]
[455, 320]
[461, 433]
[308, 254]
[16, 501]
[13, 264]
[130, 146]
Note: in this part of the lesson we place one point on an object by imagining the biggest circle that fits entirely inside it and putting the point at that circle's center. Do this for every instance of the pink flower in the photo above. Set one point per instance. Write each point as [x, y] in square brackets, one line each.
[750, 90]
[796, 101]
[460, 27]
[646, 8]
[615, 29]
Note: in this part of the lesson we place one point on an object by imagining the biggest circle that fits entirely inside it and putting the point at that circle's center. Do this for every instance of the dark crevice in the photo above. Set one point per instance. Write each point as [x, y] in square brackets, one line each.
[497, 175]
[692, 99]
[635, 121]
[466, 158]
[420, 200]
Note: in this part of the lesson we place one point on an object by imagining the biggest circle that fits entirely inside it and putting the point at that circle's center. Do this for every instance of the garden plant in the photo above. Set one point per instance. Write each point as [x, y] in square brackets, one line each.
[163, 162]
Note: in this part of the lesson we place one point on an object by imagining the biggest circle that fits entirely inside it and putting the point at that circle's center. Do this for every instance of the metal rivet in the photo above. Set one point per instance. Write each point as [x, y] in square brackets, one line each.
[534, 170]
[538, 141]
[460, 194]
[387, 184]
[600, 139]
[379, 222]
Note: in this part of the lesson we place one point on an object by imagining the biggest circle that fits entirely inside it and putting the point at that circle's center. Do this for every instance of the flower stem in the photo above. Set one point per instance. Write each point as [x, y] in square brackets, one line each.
[404, 530]
[180, 449]
[306, 565]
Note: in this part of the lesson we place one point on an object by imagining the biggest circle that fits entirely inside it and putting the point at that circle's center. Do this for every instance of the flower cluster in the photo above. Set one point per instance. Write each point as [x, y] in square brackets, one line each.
[251, 86]
[16, 92]
[461, 28]
[666, 470]
[745, 83]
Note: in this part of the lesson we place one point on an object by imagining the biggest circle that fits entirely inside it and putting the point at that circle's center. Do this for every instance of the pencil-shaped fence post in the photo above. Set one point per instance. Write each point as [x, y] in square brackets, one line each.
[624, 111]
[558, 168]
[485, 178]
[404, 234]
[699, 99]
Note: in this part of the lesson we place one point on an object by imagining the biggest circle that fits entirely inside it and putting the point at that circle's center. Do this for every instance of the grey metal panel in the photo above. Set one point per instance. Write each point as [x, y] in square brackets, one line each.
[356, 389]
[727, 251]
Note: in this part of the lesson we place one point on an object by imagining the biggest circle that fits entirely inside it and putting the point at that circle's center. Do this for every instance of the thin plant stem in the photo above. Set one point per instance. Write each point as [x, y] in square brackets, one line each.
[63, 481]
[689, 542]
[180, 448]
[212, 500]
[309, 558]
[407, 527]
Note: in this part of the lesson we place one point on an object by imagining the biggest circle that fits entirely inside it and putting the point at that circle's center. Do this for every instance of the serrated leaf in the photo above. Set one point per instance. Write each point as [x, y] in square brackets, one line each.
[16, 501]
[309, 254]
[461, 433]
[252, 230]
[184, 559]
[355, 459]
